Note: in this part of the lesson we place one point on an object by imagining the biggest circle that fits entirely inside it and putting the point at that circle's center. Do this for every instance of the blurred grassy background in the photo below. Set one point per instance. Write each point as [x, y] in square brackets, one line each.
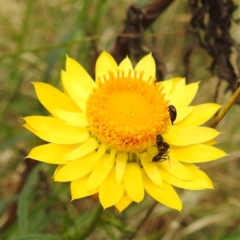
[35, 38]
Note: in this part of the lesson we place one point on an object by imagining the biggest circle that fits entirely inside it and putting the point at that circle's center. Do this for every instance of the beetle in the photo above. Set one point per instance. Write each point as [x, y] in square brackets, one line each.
[172, 113]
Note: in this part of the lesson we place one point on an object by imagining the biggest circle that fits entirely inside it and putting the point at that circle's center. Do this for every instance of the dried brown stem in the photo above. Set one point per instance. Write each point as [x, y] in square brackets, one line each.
[226, 108]
[210, 26]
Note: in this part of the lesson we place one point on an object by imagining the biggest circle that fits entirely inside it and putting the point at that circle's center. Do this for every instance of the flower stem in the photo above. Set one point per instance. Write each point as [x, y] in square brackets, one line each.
[93, 223]
[147, 215]
[227, 106]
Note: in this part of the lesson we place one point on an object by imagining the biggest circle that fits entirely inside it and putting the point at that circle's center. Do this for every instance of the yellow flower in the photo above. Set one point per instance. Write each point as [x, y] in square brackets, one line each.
[118, 136]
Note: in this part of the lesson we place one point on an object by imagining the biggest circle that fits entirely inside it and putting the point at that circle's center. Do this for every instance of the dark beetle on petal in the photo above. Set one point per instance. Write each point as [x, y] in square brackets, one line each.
[173, 113]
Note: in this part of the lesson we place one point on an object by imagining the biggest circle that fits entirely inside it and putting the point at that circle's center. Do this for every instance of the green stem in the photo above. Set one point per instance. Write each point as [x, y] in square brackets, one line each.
[144, 220]
[93, 223]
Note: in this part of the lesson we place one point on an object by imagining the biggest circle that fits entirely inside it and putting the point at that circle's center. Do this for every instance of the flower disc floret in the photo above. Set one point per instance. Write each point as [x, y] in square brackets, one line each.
[126, 112]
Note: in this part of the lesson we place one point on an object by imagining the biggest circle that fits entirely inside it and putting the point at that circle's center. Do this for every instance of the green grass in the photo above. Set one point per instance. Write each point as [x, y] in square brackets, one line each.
[35, 38]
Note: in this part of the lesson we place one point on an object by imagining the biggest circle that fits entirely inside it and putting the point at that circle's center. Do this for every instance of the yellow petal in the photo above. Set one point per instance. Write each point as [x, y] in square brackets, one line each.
[210, 142]
[57, 169]
[78, 188]
[164, 194]
[192, 135]
[200, 175]
[177, 83]
[197, 153]
[199, 115]
[73, 87]
[110, 192]
[182, 113]
[184, 95]
[121, 162]
[51, 98]
[167, 84]
[77, 119]
[133, 182]
[147, 65]
[28, 127]
[76, 169]
[152, 150]
[125, 65]
[101, 150]
[80, 75]
[123, 203]
[51, 153]
[54, 130]
[100, 172]
[190, 185]
[104, 64]
[195, 184]
[113, 153]
[151, 168]
[87, 147]
[176, 168]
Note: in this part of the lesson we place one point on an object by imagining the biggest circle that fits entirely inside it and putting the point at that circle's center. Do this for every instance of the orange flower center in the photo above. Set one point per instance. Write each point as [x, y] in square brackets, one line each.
[126, 112]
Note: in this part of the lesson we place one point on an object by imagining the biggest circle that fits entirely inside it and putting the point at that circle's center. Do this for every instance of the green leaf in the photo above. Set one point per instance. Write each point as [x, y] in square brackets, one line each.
[24, 200]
